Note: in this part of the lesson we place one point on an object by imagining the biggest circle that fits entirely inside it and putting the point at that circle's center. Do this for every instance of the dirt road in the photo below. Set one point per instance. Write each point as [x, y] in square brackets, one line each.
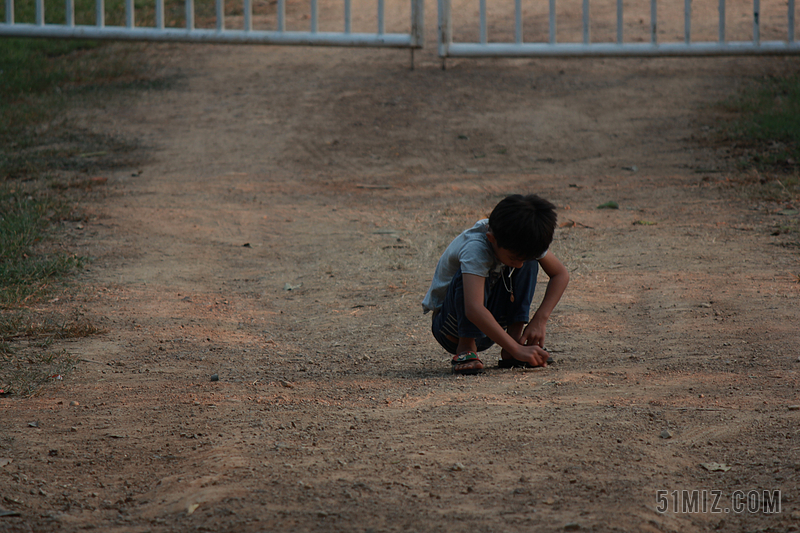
[266, 366]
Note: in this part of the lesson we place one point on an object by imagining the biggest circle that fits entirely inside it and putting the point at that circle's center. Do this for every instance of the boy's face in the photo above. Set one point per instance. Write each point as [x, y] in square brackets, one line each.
[506, 257]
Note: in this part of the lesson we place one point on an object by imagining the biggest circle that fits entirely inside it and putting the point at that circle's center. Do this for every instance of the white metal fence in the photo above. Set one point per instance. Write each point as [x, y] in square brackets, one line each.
[245, 27]
[618, 19]
[466, 27]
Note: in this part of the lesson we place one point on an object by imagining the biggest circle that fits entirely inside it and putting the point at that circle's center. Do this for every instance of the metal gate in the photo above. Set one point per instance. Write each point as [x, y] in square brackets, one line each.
[221, 26]
[625, 28]
[558, 27]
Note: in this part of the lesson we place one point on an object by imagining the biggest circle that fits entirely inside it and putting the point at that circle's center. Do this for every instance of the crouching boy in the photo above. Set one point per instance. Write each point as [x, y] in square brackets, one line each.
[483, 286]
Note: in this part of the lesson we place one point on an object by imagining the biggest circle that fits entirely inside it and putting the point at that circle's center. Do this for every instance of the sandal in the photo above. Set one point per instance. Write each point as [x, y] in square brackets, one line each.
[467, 364]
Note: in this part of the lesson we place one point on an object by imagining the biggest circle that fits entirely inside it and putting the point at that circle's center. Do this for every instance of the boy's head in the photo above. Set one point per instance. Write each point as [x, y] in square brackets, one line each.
[523, 225]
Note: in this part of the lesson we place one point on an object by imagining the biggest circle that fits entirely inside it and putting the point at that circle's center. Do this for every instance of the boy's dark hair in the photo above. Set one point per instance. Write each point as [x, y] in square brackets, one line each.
[524, 225]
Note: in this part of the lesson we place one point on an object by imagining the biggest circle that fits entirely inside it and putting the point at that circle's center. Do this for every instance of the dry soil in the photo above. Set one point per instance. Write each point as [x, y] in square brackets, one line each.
[265, 364]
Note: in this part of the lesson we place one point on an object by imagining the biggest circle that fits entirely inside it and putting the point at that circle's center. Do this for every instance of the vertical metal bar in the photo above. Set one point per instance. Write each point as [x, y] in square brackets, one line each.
[417, 23]
[69, 13]
[620, 22]
[189, 14]
[100, 13]
[445, 20]
[248, 15]
[281, 15]
[348, 17]
[314, 13]
[381, 17]
[483, 21]
[160, 14]
[756, 22]
[722, 21]
[586, 35]
[9, 11]
[220, 4]
[653, 22]
[552, 22]
[40, 12]
[129, 14]
[518, 21]
[687, 21]
[791, 21]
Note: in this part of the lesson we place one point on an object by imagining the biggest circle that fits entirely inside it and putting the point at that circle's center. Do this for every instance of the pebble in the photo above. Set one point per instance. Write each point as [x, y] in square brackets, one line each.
[572, 526]
[666, 434]
[214, 377]
[458, 467]
[794, 407]
[73, 403]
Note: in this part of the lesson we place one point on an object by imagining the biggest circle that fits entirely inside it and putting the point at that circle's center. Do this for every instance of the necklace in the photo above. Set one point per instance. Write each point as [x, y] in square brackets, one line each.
[510, 286]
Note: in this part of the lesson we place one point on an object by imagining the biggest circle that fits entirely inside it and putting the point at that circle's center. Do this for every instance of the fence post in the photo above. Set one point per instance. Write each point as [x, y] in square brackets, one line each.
[445, 28]
[130, 14]
[418, 23]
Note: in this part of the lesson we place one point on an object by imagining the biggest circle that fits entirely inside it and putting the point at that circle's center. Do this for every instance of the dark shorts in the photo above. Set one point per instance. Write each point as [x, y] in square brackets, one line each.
[451, 318]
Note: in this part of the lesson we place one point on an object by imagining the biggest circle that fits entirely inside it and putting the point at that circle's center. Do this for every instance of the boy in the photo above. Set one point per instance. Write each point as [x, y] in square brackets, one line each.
[483, 286]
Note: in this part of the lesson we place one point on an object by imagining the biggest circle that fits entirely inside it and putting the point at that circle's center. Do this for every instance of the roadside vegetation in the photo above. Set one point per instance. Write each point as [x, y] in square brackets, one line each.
[48, 166]
[763, 132]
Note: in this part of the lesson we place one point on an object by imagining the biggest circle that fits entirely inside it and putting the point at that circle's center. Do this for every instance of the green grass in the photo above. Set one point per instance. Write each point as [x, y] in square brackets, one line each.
[764, 135]
[767, 127]
[25, 222]
[30, 265]
[47, 165]
[48, 76]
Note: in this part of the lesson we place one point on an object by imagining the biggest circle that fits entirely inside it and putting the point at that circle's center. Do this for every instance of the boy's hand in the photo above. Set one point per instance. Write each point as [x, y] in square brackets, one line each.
[534, 333]
[534, 355]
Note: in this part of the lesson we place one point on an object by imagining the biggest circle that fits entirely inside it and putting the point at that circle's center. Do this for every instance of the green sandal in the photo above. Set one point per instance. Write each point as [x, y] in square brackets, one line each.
[469, 362]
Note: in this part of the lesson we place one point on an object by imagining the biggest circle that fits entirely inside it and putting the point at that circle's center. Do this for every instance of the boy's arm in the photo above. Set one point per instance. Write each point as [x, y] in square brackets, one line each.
[480, 316]
[534, 332]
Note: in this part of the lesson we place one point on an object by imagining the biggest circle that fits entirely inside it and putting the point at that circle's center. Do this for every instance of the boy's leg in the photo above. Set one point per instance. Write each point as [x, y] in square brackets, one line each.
[510, 313]
[455, 333]
[514, 315]
[515, 332]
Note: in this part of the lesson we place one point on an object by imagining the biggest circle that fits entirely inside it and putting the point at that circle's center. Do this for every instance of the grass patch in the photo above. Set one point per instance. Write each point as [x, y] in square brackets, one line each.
[36, 137]
[761, 132]
[46, 164]
[27, 267]
[766, 127]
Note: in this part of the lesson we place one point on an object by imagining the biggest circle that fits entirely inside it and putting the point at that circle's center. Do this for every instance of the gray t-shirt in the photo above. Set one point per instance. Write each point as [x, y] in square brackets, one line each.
[472, 252]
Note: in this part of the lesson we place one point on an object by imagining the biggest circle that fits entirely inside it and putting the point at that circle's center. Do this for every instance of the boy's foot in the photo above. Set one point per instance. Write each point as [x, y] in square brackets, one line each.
[467, 363]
